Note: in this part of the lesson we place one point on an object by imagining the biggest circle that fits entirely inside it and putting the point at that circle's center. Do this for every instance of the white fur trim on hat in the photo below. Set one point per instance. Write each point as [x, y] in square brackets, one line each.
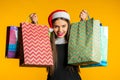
[50, 29]
[61, 14]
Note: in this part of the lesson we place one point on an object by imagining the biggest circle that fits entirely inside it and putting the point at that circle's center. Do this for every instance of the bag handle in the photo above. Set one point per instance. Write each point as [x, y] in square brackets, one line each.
[88, 16]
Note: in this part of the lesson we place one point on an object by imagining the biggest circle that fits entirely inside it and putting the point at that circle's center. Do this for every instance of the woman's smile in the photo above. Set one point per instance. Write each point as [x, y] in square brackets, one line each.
[59, 34]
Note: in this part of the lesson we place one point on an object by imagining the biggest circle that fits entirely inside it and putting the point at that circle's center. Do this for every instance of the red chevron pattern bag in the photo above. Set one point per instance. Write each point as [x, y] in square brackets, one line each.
[36, 45]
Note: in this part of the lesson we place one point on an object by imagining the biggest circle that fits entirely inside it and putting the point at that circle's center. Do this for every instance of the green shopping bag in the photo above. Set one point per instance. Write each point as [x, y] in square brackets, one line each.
[103, 47]
[84, 43]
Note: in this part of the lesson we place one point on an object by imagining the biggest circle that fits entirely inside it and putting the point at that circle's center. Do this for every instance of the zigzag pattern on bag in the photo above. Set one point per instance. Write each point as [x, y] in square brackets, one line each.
[36, 42]
[77, 44]
[84, 43]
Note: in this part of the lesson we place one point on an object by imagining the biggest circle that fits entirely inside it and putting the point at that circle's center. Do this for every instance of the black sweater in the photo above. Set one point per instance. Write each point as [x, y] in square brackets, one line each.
[61, 71]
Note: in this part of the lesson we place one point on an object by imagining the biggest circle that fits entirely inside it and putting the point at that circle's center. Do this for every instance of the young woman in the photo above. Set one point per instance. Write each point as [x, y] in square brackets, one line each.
[59, 21]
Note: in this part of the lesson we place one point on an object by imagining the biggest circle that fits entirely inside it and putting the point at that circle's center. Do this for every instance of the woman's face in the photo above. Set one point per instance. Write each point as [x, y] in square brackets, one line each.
[60, 28]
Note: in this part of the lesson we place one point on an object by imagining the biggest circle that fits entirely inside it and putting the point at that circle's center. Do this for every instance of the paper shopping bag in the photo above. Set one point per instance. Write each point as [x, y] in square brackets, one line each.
[84, 43]
[11, 41]
[36, 45]
[103, 47]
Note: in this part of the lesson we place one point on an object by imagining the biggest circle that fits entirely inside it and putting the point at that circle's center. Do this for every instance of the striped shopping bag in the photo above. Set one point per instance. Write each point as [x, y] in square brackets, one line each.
[36, 45]
[11, 42]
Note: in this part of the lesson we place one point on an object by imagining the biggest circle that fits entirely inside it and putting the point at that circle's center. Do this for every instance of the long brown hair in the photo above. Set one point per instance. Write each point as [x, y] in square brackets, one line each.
[54, 50]
[52, 39]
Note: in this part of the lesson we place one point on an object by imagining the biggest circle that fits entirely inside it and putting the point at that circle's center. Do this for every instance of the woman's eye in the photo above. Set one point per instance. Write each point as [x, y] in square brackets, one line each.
[64, 26]
[56, 26]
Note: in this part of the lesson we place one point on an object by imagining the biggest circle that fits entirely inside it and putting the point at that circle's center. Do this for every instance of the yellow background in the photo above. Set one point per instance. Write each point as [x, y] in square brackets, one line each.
[12, 12]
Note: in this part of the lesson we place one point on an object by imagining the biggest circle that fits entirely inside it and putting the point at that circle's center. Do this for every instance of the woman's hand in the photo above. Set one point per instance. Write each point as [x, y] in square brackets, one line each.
[83, 15]
[34, 18]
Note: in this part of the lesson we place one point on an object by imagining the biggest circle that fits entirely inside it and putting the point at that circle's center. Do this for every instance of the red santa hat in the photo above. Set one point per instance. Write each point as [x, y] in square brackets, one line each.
[56, 14]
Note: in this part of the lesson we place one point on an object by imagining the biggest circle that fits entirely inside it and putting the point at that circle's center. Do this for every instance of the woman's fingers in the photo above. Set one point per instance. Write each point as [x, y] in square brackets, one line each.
[84, 11]
[83, 14]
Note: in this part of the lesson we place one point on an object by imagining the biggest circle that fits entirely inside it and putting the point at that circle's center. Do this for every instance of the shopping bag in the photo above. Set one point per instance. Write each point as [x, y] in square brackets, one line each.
[36, 45]
[20, 46]
[84, 43]
[11, 41]
[103, 47]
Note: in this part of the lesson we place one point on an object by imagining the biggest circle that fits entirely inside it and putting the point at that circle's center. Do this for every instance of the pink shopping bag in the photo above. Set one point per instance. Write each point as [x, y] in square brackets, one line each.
[11, 42]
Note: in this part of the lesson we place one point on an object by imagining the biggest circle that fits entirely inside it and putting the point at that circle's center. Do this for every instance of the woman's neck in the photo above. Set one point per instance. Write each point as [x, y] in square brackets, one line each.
[60, 41]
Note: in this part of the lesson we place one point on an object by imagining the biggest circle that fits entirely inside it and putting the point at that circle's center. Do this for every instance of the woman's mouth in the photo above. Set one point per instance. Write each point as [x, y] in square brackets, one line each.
[60, 34]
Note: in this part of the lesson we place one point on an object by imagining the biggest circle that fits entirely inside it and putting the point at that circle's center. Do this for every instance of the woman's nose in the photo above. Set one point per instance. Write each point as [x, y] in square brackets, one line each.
[60, 29]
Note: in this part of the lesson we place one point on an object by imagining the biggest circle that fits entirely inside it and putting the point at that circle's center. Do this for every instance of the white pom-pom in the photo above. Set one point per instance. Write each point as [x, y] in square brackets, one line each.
[50, 29]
